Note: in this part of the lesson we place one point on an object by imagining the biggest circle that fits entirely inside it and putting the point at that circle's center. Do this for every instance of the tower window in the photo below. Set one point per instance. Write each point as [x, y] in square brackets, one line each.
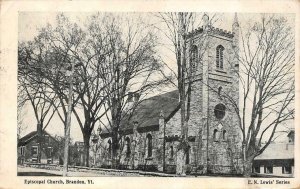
[149, 145]
[219, 56]
[193, 57]
[219, 91]
[220, 111]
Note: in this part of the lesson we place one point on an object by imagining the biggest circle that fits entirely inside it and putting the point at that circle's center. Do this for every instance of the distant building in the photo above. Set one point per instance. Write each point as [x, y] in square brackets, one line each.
[277, 159]
[78, 157]
[34, 149]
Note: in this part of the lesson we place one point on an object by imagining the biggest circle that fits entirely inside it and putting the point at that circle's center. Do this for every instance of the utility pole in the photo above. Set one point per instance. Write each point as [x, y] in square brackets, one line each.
[68, 125]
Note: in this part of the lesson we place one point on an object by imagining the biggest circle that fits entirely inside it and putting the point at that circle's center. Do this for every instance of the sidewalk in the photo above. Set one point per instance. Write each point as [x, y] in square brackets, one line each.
[27, 171]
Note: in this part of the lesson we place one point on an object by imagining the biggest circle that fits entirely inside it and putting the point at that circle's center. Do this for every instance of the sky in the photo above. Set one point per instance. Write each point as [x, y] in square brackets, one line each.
[30, 23]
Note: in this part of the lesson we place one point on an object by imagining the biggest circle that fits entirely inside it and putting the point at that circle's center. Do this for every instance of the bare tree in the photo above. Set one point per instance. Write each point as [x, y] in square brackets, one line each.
[21, 100]
[266, 56]
[129, 65]
[33, 90]
[178, 26]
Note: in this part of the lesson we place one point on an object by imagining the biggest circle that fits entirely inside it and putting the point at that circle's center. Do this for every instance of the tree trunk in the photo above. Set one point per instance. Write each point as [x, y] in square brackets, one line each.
[180, 162]
[114, 162]
[39, 140]
[248, 167]
[87, 149]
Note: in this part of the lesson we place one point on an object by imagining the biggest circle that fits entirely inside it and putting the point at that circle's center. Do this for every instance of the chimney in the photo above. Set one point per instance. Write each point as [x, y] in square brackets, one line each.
[39, 129]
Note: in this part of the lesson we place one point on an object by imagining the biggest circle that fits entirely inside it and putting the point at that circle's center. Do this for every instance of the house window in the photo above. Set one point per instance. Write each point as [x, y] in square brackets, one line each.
[22, 148]
[49, 161]
[34, 160]
[47, 139]
[220, 111]
[49, 151]
[193, 57]
[224, 135]
[286, 170]
[219, 56]
[34, 150]
[128, 150]
[215, 135]
[256, 169]
[171, 152]
[149, 145]
[268, 169]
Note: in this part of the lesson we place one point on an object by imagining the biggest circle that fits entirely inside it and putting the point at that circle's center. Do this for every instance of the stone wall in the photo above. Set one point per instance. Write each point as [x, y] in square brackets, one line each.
[220, 153]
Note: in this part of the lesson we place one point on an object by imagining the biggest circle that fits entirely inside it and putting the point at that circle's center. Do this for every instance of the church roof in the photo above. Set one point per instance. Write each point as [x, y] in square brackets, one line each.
[147, 112]
[277, 151]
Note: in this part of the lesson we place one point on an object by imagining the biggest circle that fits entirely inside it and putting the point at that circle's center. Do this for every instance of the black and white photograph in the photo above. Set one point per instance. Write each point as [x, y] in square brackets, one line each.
[156, 94]
[149, 94]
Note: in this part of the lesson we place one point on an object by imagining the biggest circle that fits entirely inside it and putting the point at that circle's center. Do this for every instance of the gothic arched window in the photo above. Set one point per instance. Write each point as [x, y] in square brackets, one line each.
[109, 148]
[193, 57]
[224, 135]
[187, 159]
[219, 56]
[215, 135]
[219, 91]
[128, 150]
[171, 152]
[149, 145]
[220, 111]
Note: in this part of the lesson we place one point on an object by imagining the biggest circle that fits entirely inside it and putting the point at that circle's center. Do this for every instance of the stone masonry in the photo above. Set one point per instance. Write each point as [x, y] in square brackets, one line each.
[213, 131]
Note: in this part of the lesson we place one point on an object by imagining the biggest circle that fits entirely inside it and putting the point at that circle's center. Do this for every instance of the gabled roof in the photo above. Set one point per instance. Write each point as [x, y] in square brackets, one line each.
[277, 151]
[29, 137]
[147, 113]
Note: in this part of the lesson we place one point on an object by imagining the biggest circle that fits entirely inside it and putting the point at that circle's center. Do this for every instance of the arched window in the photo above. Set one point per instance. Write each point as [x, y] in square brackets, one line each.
[128, 150]
[149, 145]
[193, 57]
[220, 111]
[171, 152]
[109, 148]
[187, 157]
[219, 56]
[219, 91]
[216, 135]
[224, 135]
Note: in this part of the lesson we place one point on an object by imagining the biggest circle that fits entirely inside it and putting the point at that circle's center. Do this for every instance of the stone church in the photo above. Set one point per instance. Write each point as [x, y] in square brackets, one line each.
[151, 135]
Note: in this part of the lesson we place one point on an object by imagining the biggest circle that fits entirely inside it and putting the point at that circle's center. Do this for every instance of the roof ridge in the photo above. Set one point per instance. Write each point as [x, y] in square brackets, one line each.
[159, 95]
